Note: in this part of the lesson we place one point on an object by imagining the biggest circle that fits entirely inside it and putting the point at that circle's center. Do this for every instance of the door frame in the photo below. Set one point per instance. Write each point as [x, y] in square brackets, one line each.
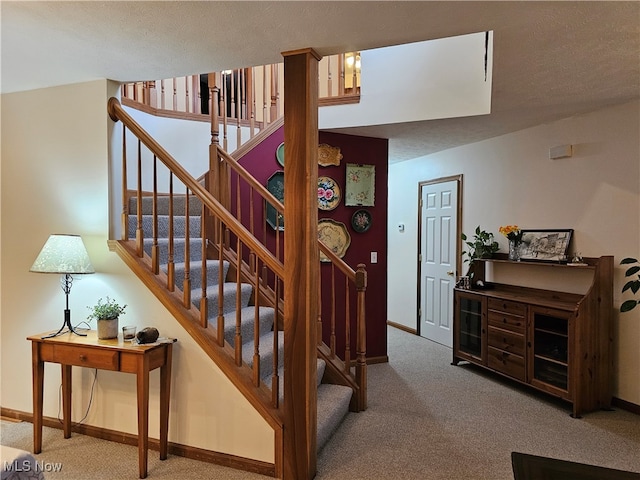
[421, 185]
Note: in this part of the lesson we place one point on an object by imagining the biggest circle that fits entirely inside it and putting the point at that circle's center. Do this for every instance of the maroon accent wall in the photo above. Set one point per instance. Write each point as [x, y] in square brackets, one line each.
[261, 163]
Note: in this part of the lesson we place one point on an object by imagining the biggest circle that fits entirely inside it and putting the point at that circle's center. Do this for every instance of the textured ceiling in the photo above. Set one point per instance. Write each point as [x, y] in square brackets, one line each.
[551, 59]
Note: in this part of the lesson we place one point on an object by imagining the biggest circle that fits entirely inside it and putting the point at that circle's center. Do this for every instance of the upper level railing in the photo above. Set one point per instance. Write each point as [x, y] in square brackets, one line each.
[249, 99]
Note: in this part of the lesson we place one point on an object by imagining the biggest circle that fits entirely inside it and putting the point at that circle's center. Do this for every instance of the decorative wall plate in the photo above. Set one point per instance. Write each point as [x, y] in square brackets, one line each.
[275, 185]
[328, 193]
[361, 220]
[328, 155]
[360, 185]
[280, 154]
[335, 236]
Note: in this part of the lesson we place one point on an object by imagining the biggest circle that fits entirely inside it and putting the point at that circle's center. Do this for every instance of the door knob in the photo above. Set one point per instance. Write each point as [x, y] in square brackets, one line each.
[450, 273]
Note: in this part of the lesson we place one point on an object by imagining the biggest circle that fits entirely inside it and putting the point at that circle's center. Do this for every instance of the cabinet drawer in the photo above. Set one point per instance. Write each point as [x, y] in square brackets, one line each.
[506, 340]
[507, 306]
[507, 321]
[86, 357]
[505, 362]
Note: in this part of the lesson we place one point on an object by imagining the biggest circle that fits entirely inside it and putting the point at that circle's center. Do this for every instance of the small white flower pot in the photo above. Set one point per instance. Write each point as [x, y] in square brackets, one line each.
[107, 328]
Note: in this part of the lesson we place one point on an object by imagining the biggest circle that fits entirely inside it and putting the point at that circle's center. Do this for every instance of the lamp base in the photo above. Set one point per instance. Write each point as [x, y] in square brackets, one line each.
[67, 325]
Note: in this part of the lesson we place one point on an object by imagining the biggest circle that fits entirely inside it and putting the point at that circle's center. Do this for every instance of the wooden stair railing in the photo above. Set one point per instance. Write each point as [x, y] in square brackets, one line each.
[265, 272]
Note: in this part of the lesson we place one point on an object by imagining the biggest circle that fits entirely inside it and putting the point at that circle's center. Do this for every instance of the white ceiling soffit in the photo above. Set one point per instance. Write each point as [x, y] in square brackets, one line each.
[551, 59]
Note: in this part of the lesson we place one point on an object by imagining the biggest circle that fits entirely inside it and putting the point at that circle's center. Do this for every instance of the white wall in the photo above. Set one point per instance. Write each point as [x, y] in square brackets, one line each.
[55, 180]
[441, 78]
[510, 180]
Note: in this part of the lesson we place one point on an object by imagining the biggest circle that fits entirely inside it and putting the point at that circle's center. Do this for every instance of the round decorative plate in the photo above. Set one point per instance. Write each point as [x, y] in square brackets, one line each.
[361, 220]
[280, 154]
[335, 236]
[328, 193]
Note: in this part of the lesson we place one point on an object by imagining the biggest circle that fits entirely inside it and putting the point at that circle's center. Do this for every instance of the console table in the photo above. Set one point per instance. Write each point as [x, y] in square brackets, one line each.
[113, 354]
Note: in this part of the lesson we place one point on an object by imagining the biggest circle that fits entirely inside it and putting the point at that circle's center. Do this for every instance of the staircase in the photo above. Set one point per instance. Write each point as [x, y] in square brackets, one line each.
[272, 326]
[237, 301]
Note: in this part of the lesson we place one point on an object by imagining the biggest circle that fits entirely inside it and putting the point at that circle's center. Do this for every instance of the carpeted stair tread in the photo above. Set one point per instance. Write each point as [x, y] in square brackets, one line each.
[162, 207]
[195, 249]
[247, 316]
[321, 366]
[333, 406]
[195, 273]
[163, 226]
[229, 293]
[266, 353]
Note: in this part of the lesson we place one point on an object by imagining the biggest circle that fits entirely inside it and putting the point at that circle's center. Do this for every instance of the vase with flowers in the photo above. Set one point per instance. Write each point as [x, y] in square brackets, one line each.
[514, 235]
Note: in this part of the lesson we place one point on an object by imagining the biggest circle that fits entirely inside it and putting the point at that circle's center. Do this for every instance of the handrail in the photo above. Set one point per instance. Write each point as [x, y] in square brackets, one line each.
[116, 112]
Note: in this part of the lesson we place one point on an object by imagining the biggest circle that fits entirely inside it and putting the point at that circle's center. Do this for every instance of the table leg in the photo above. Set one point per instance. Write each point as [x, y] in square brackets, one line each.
[66, 400]
[165, 393]
[37, 366]
[143, 413]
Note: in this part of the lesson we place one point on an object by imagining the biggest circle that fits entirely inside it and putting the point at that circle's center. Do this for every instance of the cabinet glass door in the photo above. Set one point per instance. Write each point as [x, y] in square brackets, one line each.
[550, 350]
[470, 326]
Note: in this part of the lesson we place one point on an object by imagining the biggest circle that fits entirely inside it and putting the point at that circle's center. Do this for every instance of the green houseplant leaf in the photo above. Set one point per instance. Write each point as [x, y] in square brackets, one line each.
[106, 310]
[632, 285]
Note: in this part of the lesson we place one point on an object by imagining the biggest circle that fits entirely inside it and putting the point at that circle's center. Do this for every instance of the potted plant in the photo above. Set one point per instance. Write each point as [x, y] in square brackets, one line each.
[106, 315]
[483, 245]
[633, 285]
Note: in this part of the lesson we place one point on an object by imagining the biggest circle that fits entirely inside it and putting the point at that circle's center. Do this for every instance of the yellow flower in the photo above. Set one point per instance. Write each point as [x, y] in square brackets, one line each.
[512, 232]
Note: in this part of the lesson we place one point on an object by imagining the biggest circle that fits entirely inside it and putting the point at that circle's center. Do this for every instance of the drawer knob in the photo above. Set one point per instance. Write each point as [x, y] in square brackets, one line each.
[83, 357]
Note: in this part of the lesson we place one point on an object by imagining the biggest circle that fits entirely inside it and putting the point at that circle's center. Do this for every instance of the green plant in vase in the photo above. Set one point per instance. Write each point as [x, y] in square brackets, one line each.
[633, 285]
[482, 245]
[106, 315]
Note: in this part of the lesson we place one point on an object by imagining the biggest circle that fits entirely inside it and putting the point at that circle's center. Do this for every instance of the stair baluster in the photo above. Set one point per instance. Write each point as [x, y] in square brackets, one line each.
[220, 322]
[204, 305]
[155, 260]
[256, 324]
[124, 218]
[186, 289]
[139, 233]
[171, 267]
[347, 328]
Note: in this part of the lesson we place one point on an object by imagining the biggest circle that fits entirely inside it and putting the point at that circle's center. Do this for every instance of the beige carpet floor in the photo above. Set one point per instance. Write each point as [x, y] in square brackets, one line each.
[426, 419]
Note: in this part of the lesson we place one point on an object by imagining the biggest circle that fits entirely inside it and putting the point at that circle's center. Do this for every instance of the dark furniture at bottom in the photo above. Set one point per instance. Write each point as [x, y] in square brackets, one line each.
[532, 467]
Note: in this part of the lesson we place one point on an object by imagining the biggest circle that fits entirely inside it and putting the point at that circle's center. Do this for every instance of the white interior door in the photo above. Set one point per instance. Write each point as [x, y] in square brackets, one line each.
[439, 218]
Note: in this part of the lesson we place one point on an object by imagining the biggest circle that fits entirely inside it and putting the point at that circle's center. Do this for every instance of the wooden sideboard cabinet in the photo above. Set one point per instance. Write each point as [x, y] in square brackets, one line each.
[557, 342]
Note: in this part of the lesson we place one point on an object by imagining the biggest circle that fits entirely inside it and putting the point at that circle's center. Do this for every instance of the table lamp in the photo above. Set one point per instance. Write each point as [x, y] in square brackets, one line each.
[65, 255]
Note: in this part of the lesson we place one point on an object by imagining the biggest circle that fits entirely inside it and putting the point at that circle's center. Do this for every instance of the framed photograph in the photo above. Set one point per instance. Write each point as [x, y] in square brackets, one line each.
[545, 245]
[360, 185]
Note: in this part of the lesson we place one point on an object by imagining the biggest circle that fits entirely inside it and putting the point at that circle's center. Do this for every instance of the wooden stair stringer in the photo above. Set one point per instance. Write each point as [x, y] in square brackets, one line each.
[223, 357]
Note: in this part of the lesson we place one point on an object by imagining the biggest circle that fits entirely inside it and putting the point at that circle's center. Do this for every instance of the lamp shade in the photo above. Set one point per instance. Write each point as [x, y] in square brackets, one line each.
[63, 254]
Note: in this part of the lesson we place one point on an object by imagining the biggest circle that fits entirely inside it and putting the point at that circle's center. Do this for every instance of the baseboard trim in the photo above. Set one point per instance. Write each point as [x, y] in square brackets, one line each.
[624, 405]
[194, 453]
[378, 359]
[404, 328]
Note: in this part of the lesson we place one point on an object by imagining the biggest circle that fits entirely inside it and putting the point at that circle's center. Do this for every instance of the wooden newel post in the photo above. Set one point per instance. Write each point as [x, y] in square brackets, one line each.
[302, 263]
[361, 340]
[214, 179]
